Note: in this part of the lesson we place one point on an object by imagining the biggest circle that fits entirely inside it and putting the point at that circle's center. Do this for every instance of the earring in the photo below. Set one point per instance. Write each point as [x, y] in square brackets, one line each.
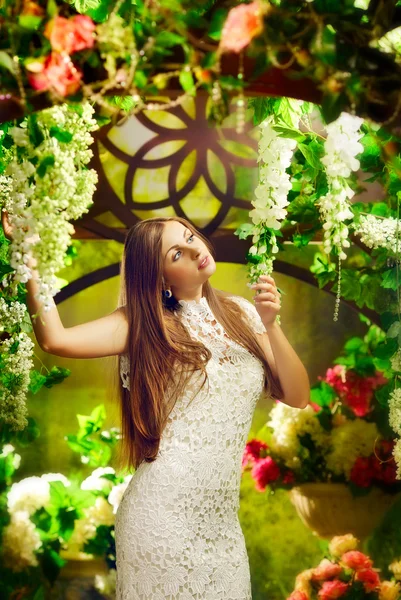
[168, 293]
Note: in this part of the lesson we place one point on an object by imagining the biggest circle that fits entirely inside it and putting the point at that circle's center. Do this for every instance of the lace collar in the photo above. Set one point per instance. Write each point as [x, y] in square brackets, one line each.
[194, 307]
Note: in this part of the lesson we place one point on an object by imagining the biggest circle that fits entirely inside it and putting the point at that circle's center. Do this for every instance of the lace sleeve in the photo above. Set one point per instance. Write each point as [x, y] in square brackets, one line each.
[124, 370]
[251, 313]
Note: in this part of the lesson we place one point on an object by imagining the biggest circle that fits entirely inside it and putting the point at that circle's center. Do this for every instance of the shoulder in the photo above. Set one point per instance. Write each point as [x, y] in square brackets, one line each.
[250, 312]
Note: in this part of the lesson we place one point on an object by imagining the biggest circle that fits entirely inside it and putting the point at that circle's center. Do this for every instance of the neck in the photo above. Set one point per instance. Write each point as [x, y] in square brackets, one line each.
[188, 295]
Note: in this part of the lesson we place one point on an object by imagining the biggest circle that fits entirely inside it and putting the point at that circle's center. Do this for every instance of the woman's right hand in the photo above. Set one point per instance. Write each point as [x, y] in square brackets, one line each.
[7, 227]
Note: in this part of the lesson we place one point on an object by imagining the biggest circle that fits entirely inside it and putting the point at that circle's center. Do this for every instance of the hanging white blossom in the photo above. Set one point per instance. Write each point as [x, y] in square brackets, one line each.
[45, 190]
[377, 232]
[271, 195]
[341, 146]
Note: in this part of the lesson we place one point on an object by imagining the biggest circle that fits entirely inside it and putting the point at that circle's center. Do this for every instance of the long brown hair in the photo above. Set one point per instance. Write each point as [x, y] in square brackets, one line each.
[159, 346]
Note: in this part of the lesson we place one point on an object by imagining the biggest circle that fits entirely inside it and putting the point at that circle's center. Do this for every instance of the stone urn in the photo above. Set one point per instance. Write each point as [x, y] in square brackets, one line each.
[330, 509]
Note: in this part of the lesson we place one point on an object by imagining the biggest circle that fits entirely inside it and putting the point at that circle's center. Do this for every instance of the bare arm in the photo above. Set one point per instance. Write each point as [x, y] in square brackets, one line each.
[102, 337]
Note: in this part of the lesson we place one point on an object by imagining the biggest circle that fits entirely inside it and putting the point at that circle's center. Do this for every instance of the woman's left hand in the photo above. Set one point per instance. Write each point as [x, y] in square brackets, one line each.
[268, 300]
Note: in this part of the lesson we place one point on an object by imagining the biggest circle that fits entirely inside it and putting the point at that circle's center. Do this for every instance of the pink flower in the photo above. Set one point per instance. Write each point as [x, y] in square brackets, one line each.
[332, 589]
[289, 478]
[369, 578]
[243, 23]
[264, 472]
[71, 35]
[356, 560]
[354, 391]
[252, 451]
[298, 595]
[326, 570]
[58, 73]
[362, 473]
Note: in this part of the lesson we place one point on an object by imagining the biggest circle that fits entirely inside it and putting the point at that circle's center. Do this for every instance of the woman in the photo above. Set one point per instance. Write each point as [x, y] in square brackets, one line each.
[193, 363]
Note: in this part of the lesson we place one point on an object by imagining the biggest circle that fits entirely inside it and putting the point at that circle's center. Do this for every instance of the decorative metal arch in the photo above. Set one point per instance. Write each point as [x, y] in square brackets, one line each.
[196, 135]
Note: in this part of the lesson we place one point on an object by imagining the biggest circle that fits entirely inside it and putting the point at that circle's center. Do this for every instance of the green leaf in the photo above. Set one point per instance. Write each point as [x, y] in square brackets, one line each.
[84, 5]
[311, 156]
[333, 105]
[36, 136]
[216, 24]
[292, 134]
[37, 380]
[51, 8]
[394, 330]
[60, 134]
[168, 39]
[187, 82]
[31, 22]
[322, 394]
[390, 279]
[7, 62]
[51, 563]
[244, 230]
[47, 161]
[56, 375]
[382, 394]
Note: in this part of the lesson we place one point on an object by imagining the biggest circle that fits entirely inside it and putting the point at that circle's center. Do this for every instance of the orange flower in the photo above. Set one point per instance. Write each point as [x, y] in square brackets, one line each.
[326, 570]
[356, 560]
[71, 35]
[297, 595]
[57, 73]
[243, 23]
[331, 590]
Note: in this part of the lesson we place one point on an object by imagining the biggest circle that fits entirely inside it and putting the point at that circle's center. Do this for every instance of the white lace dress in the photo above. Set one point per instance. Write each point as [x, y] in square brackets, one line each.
[177, 531]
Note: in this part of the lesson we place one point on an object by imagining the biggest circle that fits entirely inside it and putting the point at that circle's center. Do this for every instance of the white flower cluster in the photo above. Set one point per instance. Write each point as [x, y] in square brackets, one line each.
[43, 199]
[96, 481]
[101, 513]
[395, 423]
[20, 542]
[379, 233]
[32, 493]
[106, 584]
[9, 449]
[16, 354]
[342, 145]
[395, 361]
[348, 442]
[274, 155]
[287, 425]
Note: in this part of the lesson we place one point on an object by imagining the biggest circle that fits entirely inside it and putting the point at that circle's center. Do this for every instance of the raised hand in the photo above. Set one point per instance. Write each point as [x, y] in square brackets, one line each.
[267, 300]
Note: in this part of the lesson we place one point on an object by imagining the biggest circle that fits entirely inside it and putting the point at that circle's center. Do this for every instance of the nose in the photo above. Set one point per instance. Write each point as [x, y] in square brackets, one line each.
[195, 252]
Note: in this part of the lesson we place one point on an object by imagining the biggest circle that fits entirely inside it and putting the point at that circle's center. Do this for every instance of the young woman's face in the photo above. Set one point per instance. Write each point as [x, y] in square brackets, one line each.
[183, 253]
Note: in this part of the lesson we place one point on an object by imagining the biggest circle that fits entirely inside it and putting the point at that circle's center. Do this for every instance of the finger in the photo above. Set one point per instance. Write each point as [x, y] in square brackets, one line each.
[267, 296]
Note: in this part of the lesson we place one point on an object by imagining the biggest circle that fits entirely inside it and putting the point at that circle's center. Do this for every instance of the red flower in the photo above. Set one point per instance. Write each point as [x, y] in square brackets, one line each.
[71, 35]
[332, 589]
[362, 472]
[58, 73]
[326, 570]
[354, 391]
[252, 451]
[264, 472]
[289, 478]
[243, 23]
[356, 560]
[298, 595]
[369, 578]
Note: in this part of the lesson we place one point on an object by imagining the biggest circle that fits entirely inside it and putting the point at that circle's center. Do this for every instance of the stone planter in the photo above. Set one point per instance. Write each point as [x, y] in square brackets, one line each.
[330, 509]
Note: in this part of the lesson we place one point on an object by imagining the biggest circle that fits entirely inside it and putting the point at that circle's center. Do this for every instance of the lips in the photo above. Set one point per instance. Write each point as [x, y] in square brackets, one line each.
[203, 262]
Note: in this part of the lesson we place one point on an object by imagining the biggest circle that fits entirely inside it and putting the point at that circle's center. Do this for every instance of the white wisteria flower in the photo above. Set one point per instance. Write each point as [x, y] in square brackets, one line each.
[19, 543]
[377, 232]
[397, 457]
[43, 188]
[271, 194]
[342, 146]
